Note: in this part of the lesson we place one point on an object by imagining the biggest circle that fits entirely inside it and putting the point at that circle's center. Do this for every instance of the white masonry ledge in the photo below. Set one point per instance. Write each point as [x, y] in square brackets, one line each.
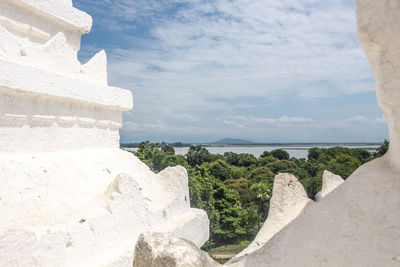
[58, 11]
[29, 80]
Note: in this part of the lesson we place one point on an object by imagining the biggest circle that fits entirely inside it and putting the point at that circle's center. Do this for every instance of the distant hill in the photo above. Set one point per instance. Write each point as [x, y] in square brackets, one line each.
[232, 141]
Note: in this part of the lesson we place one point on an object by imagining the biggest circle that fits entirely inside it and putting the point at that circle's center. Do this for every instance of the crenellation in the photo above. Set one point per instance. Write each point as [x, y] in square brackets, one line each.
[17, 78]
[55, 56]
[41, 41]
[95, 70]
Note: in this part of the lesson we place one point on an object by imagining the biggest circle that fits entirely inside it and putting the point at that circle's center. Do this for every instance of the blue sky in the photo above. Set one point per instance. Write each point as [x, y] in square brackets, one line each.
[266, 71]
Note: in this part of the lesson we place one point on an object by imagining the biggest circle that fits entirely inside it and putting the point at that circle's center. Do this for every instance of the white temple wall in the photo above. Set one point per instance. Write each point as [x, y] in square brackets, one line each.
[30, 122]
[26, 19]
[69, 196]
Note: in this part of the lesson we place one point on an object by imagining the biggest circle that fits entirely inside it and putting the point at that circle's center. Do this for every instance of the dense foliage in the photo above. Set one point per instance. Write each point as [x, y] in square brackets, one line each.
[235, 189]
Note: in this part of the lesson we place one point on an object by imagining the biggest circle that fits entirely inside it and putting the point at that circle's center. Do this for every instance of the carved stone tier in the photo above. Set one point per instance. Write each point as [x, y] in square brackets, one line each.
[41, 111]
[40, 20]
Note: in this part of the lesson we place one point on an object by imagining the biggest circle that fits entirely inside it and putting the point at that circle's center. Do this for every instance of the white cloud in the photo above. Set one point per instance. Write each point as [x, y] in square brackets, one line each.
[284, 120]
[359, 119]
[240, 48]
[192, 52]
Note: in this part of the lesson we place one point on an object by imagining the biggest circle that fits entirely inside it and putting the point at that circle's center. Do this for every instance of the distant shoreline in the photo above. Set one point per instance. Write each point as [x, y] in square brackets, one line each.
[297, 150]
[289, 145]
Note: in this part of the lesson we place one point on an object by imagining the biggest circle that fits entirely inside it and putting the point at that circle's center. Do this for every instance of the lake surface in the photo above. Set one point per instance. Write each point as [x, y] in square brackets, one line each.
[296, 151]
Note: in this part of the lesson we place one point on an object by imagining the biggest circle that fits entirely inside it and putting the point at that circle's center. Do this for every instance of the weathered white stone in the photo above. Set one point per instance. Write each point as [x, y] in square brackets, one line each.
[157, 249]
[69, 196]
[36, 21]
[46, 35]
[329, 182]
[95, 69]
[288, 200]
[88, 216]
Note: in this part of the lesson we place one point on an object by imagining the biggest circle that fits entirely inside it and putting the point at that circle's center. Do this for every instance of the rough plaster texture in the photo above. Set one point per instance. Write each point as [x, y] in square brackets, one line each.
[288, 200]
[329, 182]
[357, 224]
[69, 196]
[37, 21]
[157, 249]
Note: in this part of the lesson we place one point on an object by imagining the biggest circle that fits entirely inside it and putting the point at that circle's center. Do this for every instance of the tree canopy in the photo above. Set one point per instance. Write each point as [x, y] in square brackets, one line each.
[235, 189]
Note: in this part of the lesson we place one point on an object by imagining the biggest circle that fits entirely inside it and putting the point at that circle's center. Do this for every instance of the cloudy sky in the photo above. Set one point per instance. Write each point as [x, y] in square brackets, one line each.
[265, 70]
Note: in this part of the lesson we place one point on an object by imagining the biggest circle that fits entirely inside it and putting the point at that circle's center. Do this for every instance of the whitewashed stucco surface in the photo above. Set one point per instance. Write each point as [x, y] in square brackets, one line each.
[69, 196]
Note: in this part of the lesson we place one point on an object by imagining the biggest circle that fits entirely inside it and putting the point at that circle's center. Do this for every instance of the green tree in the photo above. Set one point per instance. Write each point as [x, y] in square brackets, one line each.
[324, 155]
[246, 160]
[232, 158]
[146, 152]
[343, 165]
[382, 149]
[240, 172]
[314, 153]
[229, 221]
[262, 161]
[242, 186]
[156, 158]
[263, 192]
[361, 154]
[232, 224]
[281, 166]
[221, 170]
[168, 149]
[312, 168]
[201, 190]
[312, 185]
[261, 174]
[280, 154]
[196, 155]
[265, 154]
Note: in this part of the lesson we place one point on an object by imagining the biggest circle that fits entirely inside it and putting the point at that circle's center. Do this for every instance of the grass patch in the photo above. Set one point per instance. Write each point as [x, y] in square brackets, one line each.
[225, 253]
[232, 248]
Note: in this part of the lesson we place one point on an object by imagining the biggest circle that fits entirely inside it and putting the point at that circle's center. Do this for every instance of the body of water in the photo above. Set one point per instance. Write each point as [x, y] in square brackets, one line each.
[296, 151]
